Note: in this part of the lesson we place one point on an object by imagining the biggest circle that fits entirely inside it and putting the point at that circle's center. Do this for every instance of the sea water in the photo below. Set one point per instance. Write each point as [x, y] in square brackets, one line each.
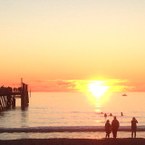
[72, 110]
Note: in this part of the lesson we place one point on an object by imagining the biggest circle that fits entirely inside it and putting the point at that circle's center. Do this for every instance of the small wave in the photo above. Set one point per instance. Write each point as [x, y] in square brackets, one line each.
[66, 129]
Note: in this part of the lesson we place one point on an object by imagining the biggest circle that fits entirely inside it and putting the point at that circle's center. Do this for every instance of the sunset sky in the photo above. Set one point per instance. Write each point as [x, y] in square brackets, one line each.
[53, 42]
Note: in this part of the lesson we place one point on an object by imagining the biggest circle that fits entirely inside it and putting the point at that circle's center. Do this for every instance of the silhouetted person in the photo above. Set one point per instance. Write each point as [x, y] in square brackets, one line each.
[105, 115]
[107, 128]
[111, 114]
[133, 127]
[121, 113]
[115, 126]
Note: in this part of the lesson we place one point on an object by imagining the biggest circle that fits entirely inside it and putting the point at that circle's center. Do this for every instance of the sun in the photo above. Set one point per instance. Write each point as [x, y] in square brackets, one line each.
[97, 88]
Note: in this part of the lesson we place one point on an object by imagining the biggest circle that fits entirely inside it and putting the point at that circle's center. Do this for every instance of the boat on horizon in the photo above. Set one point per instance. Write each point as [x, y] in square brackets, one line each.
[124, 94]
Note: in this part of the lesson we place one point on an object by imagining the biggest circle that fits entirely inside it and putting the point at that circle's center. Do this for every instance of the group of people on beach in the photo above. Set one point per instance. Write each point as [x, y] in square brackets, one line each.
[114, 126]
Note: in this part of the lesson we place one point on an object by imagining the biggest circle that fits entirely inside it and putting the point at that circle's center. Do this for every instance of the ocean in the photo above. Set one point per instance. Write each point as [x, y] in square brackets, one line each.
[72, 115]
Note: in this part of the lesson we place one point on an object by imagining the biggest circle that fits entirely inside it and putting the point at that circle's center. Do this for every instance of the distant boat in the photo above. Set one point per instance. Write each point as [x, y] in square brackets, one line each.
[124, 94]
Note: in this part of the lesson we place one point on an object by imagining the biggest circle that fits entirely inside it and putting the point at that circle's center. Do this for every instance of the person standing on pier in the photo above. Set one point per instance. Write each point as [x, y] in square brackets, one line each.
[133, 127]
[115, 127]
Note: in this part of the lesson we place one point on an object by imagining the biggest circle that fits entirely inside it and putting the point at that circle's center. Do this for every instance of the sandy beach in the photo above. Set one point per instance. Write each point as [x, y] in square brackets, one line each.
[126, 141]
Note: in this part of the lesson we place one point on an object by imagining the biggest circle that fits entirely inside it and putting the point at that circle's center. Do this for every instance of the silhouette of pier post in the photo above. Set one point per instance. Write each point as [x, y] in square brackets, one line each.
[24, 96]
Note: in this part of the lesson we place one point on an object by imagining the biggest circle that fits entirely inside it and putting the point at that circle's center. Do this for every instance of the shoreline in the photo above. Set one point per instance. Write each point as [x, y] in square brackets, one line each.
[65, 141]
[68, 135]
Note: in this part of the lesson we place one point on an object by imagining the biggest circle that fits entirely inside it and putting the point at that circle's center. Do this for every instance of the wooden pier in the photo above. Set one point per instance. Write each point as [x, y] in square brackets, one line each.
[8, 96]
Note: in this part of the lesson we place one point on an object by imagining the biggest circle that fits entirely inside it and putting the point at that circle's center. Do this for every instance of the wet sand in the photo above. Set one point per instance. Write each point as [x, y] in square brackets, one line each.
[125, 141]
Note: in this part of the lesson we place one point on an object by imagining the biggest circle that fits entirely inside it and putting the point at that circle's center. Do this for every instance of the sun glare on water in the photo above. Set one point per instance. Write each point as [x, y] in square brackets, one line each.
[97, 89]
[98, 92]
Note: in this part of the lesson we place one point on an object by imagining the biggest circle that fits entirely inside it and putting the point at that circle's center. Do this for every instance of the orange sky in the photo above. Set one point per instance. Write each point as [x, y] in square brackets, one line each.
[46, 41]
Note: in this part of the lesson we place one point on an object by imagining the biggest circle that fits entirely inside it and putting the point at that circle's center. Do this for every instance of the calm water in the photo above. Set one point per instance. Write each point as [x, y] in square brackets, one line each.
[73, 109]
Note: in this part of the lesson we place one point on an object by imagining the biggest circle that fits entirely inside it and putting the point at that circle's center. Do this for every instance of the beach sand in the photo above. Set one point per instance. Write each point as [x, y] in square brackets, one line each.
[125, 141]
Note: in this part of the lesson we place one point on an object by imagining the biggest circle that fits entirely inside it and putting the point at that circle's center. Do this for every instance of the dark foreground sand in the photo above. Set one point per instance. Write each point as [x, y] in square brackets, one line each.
[126, 141]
